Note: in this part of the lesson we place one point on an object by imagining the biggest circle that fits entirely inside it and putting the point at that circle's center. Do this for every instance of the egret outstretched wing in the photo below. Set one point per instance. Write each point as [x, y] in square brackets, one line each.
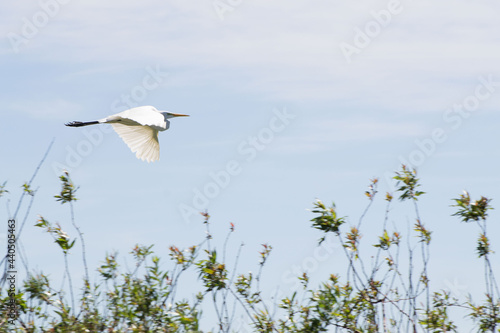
[142, 140]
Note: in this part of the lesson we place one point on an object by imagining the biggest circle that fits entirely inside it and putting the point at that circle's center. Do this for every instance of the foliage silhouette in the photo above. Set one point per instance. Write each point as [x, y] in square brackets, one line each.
[379, 294]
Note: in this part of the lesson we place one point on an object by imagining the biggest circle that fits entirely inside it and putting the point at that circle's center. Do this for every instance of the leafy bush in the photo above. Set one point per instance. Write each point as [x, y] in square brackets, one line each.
[382, 296]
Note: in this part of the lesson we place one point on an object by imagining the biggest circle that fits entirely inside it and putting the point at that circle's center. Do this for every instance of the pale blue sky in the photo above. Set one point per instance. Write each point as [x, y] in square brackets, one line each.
[353, 116]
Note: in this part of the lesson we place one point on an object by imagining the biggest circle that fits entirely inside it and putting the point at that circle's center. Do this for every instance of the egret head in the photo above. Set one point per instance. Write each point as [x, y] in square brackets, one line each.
[173, 115]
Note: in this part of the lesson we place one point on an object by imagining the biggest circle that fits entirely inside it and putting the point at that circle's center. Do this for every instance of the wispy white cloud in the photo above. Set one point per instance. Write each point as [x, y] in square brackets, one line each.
[290, 54]
[47, 109]
[330, 132]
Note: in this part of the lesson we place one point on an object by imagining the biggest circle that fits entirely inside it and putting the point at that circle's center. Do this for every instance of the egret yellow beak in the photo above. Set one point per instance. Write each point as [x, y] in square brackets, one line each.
[179, 115]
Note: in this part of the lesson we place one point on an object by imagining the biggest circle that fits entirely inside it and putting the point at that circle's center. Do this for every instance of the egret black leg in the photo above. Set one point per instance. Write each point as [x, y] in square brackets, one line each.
[79, 123]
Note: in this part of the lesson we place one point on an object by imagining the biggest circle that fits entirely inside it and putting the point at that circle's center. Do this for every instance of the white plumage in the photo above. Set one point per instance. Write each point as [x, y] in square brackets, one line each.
[138, 127]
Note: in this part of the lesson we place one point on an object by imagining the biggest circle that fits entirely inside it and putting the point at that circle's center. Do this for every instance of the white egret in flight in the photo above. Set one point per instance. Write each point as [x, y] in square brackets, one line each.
[138, 128]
